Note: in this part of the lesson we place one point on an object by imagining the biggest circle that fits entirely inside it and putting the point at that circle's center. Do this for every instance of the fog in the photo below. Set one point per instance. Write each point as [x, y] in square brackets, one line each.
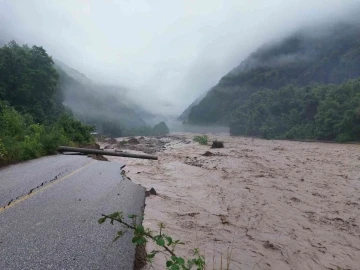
[167, 53]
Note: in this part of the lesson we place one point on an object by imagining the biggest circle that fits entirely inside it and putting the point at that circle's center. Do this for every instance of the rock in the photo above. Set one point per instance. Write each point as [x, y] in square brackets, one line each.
[217, 144]
[278, 148]
[208, 154]
[269, 245]
[152, 191]
[133, 140]
[111, 140]
[98, 157]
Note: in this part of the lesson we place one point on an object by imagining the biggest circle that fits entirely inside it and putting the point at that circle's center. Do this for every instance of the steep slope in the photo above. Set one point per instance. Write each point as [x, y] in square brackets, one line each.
[185, 115]
[95, 103]
[325, 55]
[33, 120]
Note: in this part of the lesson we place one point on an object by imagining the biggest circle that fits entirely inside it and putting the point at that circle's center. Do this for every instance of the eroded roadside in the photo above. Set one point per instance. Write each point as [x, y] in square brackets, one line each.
[275, 204]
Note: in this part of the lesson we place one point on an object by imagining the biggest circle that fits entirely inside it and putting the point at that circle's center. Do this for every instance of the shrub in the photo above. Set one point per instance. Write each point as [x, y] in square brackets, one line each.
[76, 131]
[21, 139]
[203, 140]
[166, 244]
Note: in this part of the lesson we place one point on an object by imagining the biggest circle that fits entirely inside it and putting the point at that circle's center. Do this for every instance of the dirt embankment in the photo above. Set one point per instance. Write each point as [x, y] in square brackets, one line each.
[274, 204]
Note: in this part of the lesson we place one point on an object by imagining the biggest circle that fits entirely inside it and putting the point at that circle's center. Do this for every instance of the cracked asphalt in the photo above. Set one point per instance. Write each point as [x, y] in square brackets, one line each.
[49, 209]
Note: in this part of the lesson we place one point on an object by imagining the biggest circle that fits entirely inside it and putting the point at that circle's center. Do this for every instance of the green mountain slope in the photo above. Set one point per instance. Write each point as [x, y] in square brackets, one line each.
[325, 112]
[185, 115]
[325, 55]
[33, 120]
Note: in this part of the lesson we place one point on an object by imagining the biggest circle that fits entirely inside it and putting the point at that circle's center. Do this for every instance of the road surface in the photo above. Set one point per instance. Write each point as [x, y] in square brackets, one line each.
[49, 209]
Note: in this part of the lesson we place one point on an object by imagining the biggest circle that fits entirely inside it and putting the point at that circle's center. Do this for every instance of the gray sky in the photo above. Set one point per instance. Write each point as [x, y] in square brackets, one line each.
[167, 51]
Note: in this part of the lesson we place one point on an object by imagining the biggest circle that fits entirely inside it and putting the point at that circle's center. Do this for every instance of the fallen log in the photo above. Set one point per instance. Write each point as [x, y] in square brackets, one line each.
[63, 149]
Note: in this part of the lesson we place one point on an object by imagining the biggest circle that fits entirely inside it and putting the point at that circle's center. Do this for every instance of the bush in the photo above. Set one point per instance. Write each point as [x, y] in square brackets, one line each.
[74, 130]
[203, 140]
[21, 139]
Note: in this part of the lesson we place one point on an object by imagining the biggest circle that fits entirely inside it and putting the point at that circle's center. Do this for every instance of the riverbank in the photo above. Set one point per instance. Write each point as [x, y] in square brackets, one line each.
[273, 204]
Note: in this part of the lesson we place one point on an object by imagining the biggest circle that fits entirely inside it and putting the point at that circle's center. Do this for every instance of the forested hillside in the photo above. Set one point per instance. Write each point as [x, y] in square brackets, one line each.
[291, 88]
[33, 121]
[185, 115]
[108, 107]
[41, 103]
[325, 112]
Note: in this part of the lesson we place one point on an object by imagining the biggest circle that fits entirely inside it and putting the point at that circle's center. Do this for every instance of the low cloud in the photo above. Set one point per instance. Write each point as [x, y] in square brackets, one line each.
[167, 52]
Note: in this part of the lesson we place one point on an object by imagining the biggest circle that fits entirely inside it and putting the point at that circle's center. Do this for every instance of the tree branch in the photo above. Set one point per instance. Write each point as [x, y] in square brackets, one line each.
[145, 233]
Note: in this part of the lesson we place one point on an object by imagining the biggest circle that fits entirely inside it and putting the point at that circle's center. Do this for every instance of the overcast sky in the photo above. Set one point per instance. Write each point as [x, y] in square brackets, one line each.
[167, 51]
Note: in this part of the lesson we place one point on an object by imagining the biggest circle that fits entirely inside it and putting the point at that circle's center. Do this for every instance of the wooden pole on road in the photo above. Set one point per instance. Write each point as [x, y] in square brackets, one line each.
[63, 149]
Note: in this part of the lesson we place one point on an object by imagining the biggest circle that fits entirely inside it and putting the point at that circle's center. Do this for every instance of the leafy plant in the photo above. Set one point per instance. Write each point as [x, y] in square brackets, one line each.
[166, 243]
[203, 140]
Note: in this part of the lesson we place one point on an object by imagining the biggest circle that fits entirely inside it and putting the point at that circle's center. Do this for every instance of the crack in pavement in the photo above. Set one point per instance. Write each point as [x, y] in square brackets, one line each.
[42, 186]
[32, 190]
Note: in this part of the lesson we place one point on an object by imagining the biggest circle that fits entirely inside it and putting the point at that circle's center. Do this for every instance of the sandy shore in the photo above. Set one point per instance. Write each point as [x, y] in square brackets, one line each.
[274, 204]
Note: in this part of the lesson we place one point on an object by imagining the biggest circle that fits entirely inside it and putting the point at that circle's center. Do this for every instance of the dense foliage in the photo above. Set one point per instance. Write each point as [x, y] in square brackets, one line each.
[314, 58]
[28, 81]
[325, 112]
[33, 121]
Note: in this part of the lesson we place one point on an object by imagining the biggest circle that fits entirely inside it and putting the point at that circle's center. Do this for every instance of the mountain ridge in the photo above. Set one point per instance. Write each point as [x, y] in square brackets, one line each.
[301, 59]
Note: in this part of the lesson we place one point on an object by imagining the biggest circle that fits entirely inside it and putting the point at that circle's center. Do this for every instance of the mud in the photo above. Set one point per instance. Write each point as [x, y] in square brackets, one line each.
[268, 204]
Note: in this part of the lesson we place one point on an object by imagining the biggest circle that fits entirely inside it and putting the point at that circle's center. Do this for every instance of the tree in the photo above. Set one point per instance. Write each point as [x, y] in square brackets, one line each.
[160, 129]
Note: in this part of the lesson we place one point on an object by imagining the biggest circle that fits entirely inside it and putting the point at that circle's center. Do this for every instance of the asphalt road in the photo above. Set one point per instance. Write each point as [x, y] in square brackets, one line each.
[55, 225]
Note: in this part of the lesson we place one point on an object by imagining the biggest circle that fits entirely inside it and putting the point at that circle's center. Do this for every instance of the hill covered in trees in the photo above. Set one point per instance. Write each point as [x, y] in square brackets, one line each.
[33, 120]
[296, 88]
[108, 107]
[45, 104]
